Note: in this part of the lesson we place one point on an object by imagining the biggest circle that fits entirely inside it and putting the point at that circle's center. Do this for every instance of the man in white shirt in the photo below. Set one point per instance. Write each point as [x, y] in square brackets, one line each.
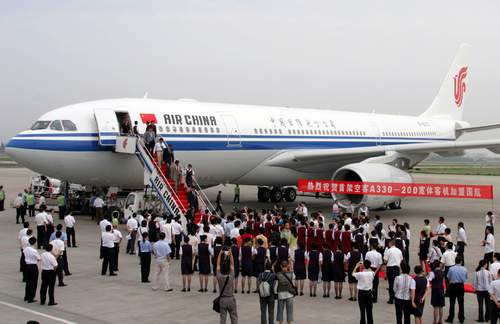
[403, 286]
[494, 292]
[23, 243]
[448, 260]
[365, 287]
[235, 232]
[461, 240]
[495, 266]
[117, 239]
[158, 149]
[489, 245]
[335, 210]
[132, 226]
[177, 231]
[41, 226]
[48, 264]
[69, 222]
[58, 246]
[31, 257]
[440, 228]
[363, 209]
[108, 246]
[490, 220]
[392, 257]
[376, 263]
[99, 206]
[103, 224]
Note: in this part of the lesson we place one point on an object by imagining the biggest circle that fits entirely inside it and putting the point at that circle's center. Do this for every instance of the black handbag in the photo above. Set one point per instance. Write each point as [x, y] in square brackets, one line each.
[216, 302]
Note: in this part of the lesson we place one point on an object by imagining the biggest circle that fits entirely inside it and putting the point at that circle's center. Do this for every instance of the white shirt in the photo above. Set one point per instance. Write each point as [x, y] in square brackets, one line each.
[48, 261]
[448, 258]
[22, 233]
[117, 236]
[18, 202]
[25, 241]
[69, 221]
[482, 280]
[461, 236]
[393, 257]
[402, 286]
[108, 239]
[441, 228]
[49, 219]
[489, 245]
[176, 228]
[31, 255]
[158, 147]
[490, 221]
[235, 232]
[58, 244]
[495, 289]
[41, 200]
[167, 229]
[98, 202]
[375, 258]
[132, 224]
[365, 279]
[494, 267]
[103, 224]
[41, 219]
[434, 254]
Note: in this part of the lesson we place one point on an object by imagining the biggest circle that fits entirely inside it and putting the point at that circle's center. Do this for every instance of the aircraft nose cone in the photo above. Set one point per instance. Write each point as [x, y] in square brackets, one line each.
[12, 149]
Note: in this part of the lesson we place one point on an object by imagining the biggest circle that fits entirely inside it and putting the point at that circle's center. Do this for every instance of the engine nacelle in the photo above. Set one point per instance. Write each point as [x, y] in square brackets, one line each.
[370, 172]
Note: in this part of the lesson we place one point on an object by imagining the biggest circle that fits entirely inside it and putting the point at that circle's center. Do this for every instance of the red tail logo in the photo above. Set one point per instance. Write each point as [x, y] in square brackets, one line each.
[459, 85]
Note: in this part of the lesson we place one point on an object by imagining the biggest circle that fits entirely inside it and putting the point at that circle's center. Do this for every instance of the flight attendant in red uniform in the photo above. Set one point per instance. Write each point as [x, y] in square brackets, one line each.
[256, 226]
[329, 240]
[310, 236]
[346, 239]
[301, 233]
[319, 237]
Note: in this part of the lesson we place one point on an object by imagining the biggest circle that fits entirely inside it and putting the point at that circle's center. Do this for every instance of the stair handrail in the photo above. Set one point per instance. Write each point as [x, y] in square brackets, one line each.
[160, 172]
[201, 193]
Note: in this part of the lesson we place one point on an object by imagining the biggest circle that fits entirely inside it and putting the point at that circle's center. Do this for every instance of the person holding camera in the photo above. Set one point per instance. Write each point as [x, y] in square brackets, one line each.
[225, 278]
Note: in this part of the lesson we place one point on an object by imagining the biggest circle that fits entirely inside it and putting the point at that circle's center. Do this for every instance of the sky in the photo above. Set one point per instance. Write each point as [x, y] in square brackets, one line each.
[382, 56]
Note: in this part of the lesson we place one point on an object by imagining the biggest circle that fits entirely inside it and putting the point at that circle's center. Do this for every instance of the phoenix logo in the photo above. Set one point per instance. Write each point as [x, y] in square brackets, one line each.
[459, 86]
[125, 143]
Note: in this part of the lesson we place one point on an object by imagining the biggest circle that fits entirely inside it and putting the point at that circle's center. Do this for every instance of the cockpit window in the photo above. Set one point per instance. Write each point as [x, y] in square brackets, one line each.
[40, 124]
[56, 125]
[69, 125]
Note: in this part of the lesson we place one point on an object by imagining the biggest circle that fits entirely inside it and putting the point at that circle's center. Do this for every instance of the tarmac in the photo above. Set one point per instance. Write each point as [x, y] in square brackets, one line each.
[92, 298]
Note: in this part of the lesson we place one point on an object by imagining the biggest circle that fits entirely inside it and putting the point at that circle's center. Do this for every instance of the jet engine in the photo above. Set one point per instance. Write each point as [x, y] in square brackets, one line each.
[370, 172]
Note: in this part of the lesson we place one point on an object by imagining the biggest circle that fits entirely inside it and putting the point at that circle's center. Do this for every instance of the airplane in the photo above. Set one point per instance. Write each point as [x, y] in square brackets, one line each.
[271, 147]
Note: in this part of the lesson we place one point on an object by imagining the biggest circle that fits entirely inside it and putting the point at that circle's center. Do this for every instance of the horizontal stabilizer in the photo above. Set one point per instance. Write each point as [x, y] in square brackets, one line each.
[464, 130]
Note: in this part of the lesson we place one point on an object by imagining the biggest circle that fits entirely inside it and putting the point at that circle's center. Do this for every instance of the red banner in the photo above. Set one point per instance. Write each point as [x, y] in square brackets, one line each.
[398, 189]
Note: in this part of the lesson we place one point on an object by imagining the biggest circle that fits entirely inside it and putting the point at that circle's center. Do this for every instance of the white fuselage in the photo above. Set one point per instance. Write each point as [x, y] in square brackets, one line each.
[225, 143]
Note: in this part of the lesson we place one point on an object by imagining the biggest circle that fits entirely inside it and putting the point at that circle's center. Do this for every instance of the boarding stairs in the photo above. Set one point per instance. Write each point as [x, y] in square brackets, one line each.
[175, 200]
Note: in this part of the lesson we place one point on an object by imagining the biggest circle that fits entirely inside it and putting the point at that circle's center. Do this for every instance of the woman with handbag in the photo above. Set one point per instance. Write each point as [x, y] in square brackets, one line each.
[286, 293]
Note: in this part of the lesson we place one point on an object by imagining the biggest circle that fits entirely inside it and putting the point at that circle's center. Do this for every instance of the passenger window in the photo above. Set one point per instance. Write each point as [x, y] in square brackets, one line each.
[40, 124]
[194, 129]
[167, 129]
[206, 129]
[56, 125]
[217, 129]
[180, 129]
[160, 128]
[187, 129]
[69, 125]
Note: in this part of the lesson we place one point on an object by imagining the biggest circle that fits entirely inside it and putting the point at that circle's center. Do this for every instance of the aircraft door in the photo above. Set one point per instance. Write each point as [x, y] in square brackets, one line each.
[232, 131]
[107, 126]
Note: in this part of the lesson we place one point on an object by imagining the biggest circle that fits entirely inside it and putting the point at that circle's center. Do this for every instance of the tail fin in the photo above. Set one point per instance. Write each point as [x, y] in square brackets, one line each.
[449, 102]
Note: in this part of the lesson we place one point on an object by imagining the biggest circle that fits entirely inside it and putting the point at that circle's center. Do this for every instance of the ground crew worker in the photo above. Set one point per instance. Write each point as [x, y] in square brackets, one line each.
[236, 194]
[30, 200]
[61, 204]
[2, 199]
[31, 257]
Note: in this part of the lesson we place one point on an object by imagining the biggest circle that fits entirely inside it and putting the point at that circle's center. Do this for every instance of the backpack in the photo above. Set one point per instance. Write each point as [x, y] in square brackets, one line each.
[265, 287]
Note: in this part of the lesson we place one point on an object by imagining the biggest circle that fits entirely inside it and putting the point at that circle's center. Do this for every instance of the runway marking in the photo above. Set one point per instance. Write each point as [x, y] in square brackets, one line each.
[58, 319]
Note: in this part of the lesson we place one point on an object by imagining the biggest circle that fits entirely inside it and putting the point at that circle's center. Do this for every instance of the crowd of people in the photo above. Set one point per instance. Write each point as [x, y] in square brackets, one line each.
[280, 254]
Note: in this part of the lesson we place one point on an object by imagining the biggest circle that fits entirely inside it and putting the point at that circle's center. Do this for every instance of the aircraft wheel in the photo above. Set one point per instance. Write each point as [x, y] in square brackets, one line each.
[290, 194]
[395, 205]
[263, 194]
[276, 195]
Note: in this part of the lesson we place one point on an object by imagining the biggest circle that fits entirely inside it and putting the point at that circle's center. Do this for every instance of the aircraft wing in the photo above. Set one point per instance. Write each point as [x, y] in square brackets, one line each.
[299, 159]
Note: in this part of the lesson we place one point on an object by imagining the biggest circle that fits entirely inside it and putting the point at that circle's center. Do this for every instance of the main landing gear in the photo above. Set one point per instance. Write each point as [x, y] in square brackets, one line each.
[276, 194]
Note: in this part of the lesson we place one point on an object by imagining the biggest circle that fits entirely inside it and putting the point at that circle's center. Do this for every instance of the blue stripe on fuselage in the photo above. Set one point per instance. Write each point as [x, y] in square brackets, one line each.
[196, 145]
